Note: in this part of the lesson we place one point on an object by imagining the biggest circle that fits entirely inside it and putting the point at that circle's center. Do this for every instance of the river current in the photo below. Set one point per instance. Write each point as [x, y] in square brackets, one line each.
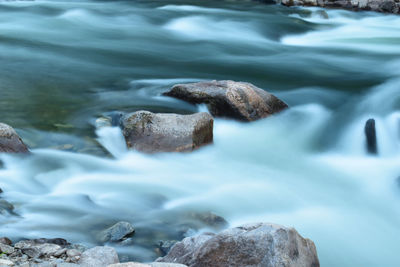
[65, 63]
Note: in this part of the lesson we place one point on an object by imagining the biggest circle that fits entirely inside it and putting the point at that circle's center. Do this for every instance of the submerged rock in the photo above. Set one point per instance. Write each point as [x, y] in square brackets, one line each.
[238, 100]
[117, 232]
[259, 244]
[10, 142]
[370, 134]
[161, 132]
[387, 6]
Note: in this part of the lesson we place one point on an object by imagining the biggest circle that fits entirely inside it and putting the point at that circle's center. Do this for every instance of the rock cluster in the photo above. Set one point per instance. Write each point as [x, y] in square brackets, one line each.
[387, 6]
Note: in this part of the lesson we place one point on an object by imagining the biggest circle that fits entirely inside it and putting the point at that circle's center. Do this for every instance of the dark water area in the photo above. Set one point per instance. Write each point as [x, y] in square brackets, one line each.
[65, 63]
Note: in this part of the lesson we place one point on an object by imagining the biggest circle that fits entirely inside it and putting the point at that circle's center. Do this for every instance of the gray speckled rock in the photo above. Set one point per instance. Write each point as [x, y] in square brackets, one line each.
[259, 244]
[116, 232]
[98, 257]
[238, 100]
[10, 142]
[387, 6]
[162, 132]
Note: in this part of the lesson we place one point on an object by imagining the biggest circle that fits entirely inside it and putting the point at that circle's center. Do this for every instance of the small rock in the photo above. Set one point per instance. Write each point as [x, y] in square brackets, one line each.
[4, 262]
[370, 134]
[6, 249]
[237, 100]
[10, 142]
[6, 241]
[60, 252]
[117, 232]
[73, 253]
[98, 257]
[31, 252]
[160, 132]
[6, 207]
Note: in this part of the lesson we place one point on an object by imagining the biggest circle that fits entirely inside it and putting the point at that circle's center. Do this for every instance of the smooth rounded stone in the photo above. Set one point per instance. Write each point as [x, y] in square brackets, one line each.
[370, 135]
[258, 244]
[4, 262]
[60, 252]
[6, 249]
[6, 241]
[73, 253]
[56, 241]
[162, 132]
[386, 6]
[237, 100]
[10, 142]
[117, 232]
[98, 257]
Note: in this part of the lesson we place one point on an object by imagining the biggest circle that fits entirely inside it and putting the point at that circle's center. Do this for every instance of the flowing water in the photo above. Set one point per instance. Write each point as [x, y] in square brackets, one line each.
[65, 63]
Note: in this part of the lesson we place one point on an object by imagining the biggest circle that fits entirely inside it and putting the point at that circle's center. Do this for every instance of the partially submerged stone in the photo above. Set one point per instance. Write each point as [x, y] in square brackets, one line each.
[164, 132]
[10, 142]
[117, 232]
[238, 100]
[259, 244]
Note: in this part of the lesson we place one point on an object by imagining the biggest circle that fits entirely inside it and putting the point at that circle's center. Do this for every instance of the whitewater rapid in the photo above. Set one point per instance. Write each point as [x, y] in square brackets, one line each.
[306, 167]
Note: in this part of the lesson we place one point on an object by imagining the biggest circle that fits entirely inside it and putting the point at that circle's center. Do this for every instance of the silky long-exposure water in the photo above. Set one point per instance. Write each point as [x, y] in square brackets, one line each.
[65, 63]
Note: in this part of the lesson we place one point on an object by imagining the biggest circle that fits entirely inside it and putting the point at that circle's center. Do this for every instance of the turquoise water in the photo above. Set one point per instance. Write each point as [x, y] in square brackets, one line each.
[65, 63]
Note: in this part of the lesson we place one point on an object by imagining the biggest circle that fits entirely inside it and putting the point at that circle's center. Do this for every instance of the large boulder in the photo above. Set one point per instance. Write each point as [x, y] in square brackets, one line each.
[238, 100]
[259, 244]
[387, 6]
[162, 132]
[10, 141]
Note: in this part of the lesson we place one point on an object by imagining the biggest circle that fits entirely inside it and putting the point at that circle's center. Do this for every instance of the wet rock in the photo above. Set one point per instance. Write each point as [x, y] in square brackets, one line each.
[160, 132]
[6, 207]
[165, 246]
[370, 134]
[98, 257]
[117, 232]
[4, 262]
[6, 249]
[259, 244]
[387, 6]
[238, 100]
[209, 219]
[6, 241]
[10, 142]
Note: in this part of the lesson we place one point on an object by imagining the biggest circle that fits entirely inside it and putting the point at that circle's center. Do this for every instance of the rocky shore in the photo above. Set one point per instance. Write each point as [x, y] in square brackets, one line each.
[257, 244]
[385, 6]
